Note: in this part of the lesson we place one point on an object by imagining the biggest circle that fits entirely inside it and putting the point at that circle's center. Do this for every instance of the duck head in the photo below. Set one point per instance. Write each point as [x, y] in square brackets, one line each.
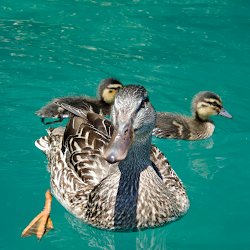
[206, 104]
[133, 118]
[108, 89]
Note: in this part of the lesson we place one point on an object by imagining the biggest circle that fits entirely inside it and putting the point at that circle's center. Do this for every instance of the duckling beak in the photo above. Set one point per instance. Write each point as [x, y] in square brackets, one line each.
[120, 143]
[224, 113]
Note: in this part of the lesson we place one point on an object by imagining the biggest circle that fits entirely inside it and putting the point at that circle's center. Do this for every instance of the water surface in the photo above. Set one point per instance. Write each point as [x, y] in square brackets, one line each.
[175, 49]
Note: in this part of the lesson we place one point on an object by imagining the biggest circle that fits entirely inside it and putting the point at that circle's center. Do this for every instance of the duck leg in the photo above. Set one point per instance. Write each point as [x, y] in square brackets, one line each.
[60, 119]
[42, 223]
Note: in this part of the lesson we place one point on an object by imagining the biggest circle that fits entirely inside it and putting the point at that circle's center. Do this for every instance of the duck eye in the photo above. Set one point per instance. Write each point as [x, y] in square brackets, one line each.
[215, 104]
[142, 106]
[143, 103]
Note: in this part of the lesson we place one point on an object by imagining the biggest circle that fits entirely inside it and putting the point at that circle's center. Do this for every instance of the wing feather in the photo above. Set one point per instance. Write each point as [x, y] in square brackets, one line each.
[170, 125]
[84, 141]
[168, 175]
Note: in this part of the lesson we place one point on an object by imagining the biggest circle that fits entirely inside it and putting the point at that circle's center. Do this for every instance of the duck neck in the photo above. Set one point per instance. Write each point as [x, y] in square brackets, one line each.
[138, 157]
[201, 118]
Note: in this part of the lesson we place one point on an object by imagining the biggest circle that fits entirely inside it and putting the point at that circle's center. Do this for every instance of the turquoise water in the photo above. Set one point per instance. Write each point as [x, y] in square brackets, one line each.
[176, 48]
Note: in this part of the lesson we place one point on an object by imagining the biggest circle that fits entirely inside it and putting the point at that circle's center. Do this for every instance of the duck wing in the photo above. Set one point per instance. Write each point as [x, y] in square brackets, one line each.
[75, 159]
[84, 141]
[53, 110]
[169, 125]
[163, 168]
[97, 122]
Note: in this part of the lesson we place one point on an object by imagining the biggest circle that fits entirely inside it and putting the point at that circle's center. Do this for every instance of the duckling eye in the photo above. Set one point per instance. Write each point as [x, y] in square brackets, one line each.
[215, 104]
[110, 91]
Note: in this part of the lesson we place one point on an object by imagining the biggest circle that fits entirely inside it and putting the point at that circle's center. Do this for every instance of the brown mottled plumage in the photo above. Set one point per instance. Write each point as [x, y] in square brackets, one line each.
[107, 90]
[109, 175]
[199, 126]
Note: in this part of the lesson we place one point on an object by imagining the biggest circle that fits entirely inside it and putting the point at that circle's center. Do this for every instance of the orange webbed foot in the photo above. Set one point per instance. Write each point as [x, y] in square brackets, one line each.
[42, 223]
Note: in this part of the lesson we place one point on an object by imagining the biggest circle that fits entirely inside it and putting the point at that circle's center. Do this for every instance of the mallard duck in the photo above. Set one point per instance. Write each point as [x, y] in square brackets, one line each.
[204, 105]
[107, 90]
[109, 174]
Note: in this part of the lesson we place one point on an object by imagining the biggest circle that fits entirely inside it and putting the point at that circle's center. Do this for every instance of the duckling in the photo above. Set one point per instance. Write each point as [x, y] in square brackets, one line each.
[107, 90]
[109, 174]
[204, 105]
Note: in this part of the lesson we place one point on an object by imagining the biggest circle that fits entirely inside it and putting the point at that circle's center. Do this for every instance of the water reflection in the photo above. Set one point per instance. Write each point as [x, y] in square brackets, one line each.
[208, 169]
[205, 163]
[206, 144]
[107, 240]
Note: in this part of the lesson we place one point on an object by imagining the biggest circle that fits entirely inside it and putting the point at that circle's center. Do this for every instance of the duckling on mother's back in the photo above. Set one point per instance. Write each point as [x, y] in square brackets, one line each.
[101, 104]
[204, 105]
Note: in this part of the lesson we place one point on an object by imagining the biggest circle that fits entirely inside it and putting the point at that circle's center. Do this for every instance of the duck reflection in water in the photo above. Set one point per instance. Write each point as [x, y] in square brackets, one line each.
[156, 238]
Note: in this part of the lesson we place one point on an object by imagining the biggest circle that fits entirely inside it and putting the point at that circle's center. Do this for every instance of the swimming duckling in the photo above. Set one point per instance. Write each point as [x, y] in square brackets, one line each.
[107, 90]
[109, 174]
[205, 104]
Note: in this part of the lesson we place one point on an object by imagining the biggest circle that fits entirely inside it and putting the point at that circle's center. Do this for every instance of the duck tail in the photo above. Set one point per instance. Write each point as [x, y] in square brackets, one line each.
[55, 135]
[42, 143]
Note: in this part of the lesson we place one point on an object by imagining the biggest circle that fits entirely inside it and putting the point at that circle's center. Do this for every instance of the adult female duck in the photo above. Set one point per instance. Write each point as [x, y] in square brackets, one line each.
[109, 174]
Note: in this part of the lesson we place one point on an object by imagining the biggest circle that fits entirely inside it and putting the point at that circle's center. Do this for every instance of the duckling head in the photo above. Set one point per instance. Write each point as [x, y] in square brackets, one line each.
[206, 104]
[108, 89]
[133, 118]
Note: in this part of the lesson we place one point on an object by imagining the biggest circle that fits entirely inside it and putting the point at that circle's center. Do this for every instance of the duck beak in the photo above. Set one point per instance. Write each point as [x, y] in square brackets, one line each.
[120, 143]
[224, 113]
